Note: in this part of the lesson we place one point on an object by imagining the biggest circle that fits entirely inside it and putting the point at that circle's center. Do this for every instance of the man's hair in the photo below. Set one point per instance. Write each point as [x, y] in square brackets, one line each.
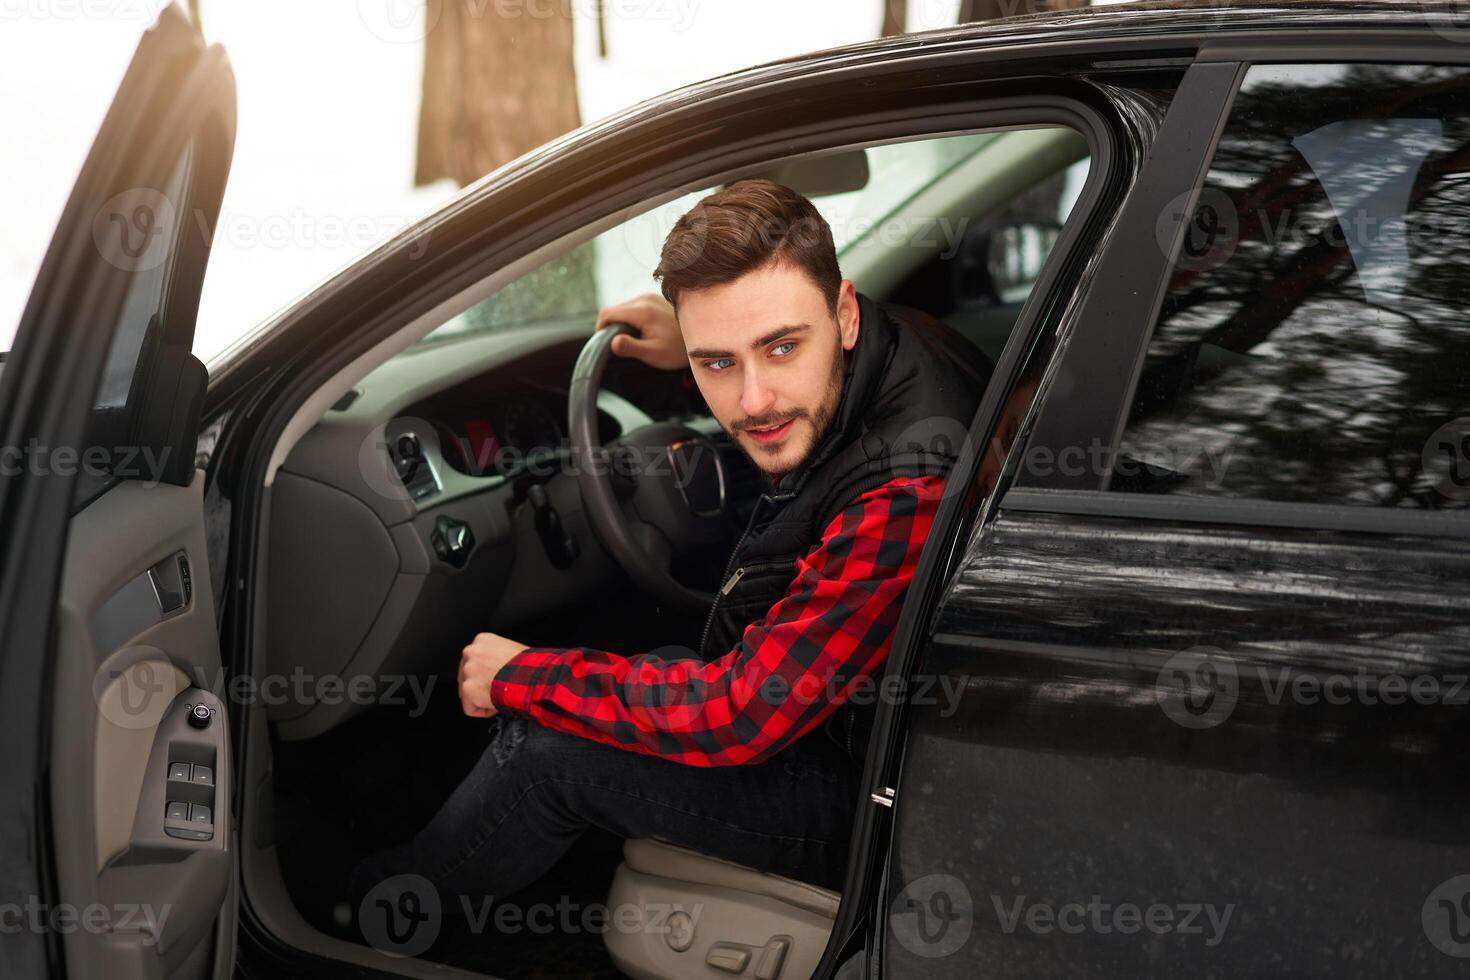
[741, 228]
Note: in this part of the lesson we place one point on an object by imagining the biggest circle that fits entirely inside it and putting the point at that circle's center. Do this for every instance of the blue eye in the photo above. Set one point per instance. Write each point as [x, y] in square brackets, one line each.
[786, 343]
[717, 365]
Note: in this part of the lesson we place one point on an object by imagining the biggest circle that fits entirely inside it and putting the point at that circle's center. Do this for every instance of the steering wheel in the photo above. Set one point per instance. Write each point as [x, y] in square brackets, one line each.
[653, 494]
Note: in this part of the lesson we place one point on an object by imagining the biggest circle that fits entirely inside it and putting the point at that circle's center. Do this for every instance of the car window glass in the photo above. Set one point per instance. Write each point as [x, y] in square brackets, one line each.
[138, 230]
[1313, 343]
[618, 264]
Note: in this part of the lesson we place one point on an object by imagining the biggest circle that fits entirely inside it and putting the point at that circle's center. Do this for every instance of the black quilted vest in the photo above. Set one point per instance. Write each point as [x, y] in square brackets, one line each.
[907, 401]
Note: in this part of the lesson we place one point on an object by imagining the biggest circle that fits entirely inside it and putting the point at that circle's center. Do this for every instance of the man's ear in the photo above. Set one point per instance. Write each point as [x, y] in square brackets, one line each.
[847, 314]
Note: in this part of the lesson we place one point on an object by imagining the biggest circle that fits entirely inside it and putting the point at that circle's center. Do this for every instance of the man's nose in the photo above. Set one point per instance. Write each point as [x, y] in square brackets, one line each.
[756, 397]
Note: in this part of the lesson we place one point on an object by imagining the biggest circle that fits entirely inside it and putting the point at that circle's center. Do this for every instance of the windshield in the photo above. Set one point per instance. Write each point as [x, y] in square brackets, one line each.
[618, 264]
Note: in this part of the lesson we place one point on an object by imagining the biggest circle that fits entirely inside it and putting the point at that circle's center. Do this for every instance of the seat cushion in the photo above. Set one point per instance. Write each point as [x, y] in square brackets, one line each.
[667, 860]
[700, 918]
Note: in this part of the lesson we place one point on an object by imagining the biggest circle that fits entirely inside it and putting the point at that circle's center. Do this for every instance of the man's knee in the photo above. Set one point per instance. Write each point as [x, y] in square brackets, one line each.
[536, 751]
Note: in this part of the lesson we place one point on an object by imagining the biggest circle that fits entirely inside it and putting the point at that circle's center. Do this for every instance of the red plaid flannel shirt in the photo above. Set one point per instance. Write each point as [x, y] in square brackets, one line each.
[792, 669]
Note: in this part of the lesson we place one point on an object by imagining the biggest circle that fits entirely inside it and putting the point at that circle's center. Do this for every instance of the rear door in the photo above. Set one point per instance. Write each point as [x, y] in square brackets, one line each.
[117, 831]
[1212, 642]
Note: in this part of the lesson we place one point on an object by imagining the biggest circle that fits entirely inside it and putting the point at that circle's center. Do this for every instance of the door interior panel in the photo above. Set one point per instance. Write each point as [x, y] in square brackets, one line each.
[140, 776]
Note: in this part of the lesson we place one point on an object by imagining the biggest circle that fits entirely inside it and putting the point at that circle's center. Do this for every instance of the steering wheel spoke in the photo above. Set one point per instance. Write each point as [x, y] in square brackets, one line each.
[654, 494]
[655, 546]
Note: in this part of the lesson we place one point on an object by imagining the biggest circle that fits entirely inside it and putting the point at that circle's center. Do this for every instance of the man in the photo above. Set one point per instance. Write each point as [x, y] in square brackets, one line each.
[835, 403]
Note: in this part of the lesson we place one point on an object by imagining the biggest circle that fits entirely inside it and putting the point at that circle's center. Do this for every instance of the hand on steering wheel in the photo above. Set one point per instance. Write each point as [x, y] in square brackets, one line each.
[655, 339]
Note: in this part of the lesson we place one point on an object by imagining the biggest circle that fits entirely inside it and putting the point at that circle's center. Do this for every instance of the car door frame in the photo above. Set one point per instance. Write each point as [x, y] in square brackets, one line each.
[60, 348]
[1100, 367]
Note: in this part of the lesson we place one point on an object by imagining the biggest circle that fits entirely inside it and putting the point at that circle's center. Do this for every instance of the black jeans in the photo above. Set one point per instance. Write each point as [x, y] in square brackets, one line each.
[535, 790]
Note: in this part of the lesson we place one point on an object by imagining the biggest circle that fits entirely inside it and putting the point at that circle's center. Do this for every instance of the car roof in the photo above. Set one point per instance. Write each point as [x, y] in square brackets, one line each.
[1121, 30]
[1162, 17]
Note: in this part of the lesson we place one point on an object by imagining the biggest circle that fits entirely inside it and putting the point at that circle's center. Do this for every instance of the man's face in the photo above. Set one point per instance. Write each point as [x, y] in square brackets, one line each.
[767, 354]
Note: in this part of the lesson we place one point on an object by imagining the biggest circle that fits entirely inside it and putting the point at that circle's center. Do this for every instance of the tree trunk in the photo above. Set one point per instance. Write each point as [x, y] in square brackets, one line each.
[972, 10]
[495, 85]
[895, 17]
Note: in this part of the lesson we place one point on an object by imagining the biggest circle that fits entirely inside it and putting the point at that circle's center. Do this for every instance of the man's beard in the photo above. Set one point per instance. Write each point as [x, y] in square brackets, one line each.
[821, 420]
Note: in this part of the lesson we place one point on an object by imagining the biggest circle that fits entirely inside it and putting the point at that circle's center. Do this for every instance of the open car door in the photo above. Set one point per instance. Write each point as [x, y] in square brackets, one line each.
[115, 804]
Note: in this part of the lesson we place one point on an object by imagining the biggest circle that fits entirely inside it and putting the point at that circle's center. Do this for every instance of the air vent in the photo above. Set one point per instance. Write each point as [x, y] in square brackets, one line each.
[412, 467]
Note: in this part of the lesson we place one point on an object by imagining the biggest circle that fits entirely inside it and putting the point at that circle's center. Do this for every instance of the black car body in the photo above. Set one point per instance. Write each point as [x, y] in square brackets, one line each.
[1199, 583]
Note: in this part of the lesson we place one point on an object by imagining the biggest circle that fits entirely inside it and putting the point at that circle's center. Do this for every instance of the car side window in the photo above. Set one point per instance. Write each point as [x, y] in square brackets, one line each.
[1314, 341]
[906, 199]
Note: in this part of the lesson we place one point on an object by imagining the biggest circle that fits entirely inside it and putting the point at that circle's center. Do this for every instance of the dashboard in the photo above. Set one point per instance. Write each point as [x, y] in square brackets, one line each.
[496, 424]
[496, 437]
[406, 520]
